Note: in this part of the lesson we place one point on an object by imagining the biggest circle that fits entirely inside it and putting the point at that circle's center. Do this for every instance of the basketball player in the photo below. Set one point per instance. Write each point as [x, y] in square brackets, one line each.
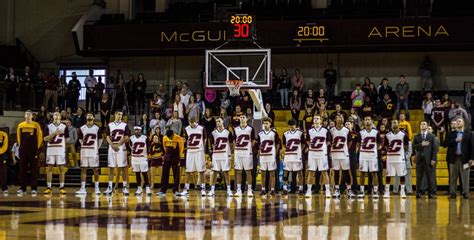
[243, 159]
[3, 161]
[55, 136]
[397, 143]
[370, 143]
[221, 143]
[156, 158]
[293, 140]
[30, 139]
[90, 137]
[340, 156]
[269, 146]
[195, 158]
[139, 145]
[117, 136]
[318, 138]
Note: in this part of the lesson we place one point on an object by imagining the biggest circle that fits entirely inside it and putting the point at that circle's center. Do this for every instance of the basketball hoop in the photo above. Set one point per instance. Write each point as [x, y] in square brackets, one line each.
[234, 86]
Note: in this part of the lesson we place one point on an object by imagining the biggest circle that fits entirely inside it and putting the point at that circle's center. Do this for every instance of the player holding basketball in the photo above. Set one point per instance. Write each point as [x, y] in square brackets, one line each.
[398, 152]
[195, 158]
[221, 143]
[243, 158]
[370, 144]
[318, 139]
[340, 156]
[269, 146]
[56, 134]
[90, 138]
[139, 146]
[117, 136]
[293, 141]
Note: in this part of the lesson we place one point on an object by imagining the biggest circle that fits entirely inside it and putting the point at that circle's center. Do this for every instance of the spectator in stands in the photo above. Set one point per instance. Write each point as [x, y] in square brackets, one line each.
[79, 119]
[402, 91]
[105, 106]
[26, 88]
[62, 91]
[39, 89]
[340, 112]
[365, 87]
[158, 122]
[457, 111]
[404, 125]
[145, 125]
[383, 89]
[51, 91]
[321, 97]
[63, 115]
[98, 92]
[120, 95]
[438, 120]
[427, 107]
[322, 111]
[307, 120]
[244, 100]
[367, 109]
[310, 103]
[42, 117]
[385, 122]
[208, 121]
[295, 105]
[297, 81]
[180, 108]
[163, 93]
[331, 79]
[185, 95]
[13, 89]
[156, 104]
[175, 124]
[269, 95]
[73, 92]
[141, 92]
[131, 88]
[426, 72]
[357, 97]
[192, 109]
[372, 94]
[69, 113]
[201, 104]
[270, 114]
[386, 109]
[177, 89]
[225, 101]
[90, 83]
[235, 120]
[354, 116]
[225, 117]
[446, 101]
[71, 143]
[283, 85]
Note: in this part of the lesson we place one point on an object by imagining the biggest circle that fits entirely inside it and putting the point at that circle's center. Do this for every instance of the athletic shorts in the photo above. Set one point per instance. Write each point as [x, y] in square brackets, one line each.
[292, 166]
[343, 164]
[396, 169]
[221, 165]
[366, 165]
[155, 162]
[90, 162]
[57, 160]
[318, 164]
[117, 159]
[140, 166]
[195, 162]
[268, 165]
[243, 162]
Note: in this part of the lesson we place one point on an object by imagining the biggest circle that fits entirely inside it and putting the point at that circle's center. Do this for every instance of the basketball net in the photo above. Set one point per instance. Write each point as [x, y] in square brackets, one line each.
[234, 86]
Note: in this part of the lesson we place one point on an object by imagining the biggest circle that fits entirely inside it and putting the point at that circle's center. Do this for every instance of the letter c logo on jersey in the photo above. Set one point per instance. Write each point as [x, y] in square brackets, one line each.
[242, 141]
[220, 144]
[117, 135]
[138, 148]
[395, 146]
[89, 139]
[194, 140]
[368, 143]
[317, 142]
[57, 139]
[292, 145]
[338, 142]
[266, 146]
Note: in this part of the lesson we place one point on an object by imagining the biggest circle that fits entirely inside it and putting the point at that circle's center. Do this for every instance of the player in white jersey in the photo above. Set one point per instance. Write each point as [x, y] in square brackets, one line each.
[293, 141]
[56, 134]
[269, 144]
[220, 143]
[139, 147]
[370, 144]
[117, 136]
[340, 156]
[90, 138]
[397, 153]
[196, 141]
[318, 160]
[243, 154]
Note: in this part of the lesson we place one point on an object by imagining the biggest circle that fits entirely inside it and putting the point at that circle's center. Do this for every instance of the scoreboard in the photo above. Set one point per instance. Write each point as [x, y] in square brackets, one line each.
[242, 27]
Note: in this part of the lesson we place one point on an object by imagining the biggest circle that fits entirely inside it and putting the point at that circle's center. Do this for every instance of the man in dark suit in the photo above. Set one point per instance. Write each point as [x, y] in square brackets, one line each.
[462, 144]
[424, 145]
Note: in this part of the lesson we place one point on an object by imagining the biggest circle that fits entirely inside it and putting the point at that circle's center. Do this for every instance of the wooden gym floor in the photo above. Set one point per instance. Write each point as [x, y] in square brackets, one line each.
[70, 217]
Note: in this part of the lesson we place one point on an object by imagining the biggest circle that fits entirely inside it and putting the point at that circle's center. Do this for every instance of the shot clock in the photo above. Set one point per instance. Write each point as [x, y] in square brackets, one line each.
[242, 26]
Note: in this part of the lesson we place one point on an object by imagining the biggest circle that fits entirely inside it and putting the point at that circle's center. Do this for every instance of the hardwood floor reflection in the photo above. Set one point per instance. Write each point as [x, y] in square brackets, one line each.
[70, 217]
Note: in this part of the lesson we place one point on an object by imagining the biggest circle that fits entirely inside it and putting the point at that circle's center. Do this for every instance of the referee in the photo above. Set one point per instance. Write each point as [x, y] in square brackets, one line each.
[29, 137]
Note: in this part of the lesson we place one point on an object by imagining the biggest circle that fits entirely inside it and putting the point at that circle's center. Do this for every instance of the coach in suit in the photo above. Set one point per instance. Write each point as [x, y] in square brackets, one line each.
[462, 144]
[424, 145]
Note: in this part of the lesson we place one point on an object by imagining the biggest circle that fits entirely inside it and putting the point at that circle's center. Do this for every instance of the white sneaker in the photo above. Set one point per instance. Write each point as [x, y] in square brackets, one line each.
[238, 193]
[375, 194]
[19, 192]
[184, 193]
[402, 194]
[361, 194]
[229, 193]
[125, 191]
[386, 194]
[139, 191]
[81, 191]
[108, 191]
[308, 194]
[33, 193]
[250, 193]
[336, 194]
[211, 193]
[97, 191]
[328, 194]
[350, 194]
[148, 191]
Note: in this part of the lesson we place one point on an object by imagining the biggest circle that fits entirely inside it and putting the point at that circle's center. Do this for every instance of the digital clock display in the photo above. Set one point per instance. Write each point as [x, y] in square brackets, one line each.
[242, 26]
[311, 32]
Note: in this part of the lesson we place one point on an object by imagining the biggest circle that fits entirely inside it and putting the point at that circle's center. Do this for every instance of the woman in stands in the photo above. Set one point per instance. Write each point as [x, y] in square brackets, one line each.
[225, 118]
[427, 107]
[309, 103]
[295, 104]
[284, 87]
[208, 121]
